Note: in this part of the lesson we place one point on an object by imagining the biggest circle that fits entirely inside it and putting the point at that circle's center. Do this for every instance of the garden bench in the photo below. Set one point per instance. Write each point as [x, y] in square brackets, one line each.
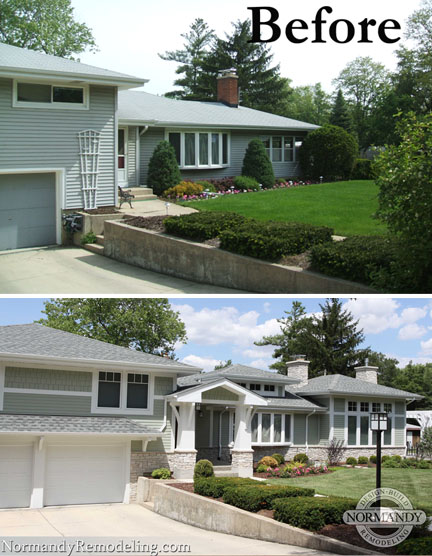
[125, 197]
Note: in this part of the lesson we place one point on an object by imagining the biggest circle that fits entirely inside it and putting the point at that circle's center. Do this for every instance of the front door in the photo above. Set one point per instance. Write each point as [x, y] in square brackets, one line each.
[122, 156]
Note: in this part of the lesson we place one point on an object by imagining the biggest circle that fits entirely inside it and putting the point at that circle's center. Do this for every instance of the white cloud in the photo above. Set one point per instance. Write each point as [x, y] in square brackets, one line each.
[426, 347]
[206, 363]
[403, 361]
[267, 307]
[411, 332]
[262, 352]
[413, 314]
[260, 364]
[227, 324]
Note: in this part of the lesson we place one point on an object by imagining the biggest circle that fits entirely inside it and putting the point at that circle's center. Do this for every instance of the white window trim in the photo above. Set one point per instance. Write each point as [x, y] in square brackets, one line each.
[259, 441]
[358, 415]
[122, 410]
[197, 132]
[52, 105]
[283, 161]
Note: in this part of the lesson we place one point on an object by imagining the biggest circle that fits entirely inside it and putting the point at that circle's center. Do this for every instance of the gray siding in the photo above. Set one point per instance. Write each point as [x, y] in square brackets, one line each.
[224, 429]
[399, 431]
[219, 393]
[48, 379]
[132, 176]
[202, 434]
[239, 143]
[299, 429]
[46, 404]
[163, 385]
[313, 429]
[339, 404]
[40, 138]
[339, 425]
[324, 429]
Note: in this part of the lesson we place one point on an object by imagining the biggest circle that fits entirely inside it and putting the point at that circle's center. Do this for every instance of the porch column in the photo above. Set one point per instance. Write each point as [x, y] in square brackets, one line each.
[242, 453]
[185, 452]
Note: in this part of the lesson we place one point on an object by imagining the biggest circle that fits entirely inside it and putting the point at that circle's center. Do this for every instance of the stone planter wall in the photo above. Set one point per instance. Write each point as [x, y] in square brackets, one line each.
[210, 265]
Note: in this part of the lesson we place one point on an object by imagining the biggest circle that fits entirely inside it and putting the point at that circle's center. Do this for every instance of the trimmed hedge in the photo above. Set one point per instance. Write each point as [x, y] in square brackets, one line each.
[201, 226]
[372, 459]
[272, 240]
[301, 457]
[279, 458]
[420, 545]
[351, 461]
[203, 468]
[356, 258]
[246, 183]
[362, 460]
[312, 513]
[215, 486]
[261, 497]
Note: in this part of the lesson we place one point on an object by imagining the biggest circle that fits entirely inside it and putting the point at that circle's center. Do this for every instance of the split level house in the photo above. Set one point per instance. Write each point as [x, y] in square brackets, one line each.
[81, 419]
[71, 133]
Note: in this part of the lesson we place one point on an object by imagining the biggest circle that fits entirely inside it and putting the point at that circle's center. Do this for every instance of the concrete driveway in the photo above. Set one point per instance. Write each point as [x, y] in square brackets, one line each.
[61, 270]
[131, 522]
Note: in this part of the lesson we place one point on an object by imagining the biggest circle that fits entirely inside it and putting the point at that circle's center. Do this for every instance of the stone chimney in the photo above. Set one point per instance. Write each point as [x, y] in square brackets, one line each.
[227, 88]
[298, 369]
[367, 373]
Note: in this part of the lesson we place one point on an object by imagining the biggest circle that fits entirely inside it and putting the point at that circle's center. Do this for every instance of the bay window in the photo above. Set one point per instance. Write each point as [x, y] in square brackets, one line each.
[200, 149]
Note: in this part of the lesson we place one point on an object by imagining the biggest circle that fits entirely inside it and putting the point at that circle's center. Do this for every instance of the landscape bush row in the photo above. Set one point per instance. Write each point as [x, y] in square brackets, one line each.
[245, 236]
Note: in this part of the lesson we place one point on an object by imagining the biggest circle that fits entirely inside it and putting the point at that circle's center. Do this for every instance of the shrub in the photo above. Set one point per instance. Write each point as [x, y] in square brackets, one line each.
[357, 258]
[90, 237]
[246, 183]
[335, 451]
[203, 468]
[420, 545]
[268, 461]
[425, 445]
[215, 486]
[163, 170]
[362, 460]
[222, 184]
[206, 185]
[272, 240]
[261, 497]
[329, 151]
[372, 459]
[183, 188]
[161, 473]
[362, 169]
[256, 164]
[351, 461]
[302, 458]
[384, 458]
[261, 468]
[396, 458]
[312, 513]
[279, 458]
[200, 226]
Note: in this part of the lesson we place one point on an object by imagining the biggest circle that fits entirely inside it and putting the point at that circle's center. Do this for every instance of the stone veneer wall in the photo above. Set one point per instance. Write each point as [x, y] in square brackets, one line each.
[212, 455]
[146, 462]
[319, 453]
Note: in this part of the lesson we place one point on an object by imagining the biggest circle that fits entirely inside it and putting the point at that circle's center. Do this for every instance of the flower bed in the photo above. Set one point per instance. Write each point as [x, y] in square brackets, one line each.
[291, 471]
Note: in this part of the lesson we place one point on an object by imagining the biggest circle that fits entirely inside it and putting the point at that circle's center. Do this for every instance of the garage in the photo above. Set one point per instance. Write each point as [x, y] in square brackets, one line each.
[16, 466]
[84, 474]
[27, 210]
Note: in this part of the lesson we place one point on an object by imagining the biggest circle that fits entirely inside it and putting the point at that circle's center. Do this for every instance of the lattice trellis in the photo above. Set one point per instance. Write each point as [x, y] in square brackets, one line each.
[89, 147]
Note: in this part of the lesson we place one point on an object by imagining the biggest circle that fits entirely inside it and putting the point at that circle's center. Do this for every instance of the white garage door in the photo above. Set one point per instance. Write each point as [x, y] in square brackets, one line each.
[16, 465]
[84, 474]
[27, 210]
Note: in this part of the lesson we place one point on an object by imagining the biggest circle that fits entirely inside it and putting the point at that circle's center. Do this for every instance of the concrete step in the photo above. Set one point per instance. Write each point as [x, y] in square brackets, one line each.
[94, 248]
[142, 193]
[224, 471]
[100, 240]
[144, 198]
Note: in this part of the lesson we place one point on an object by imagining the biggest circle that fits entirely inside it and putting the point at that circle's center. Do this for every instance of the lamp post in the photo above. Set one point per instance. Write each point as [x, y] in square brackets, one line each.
[378, 424]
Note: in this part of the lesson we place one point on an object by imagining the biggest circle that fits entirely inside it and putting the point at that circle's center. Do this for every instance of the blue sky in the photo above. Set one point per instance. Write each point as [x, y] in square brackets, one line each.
[226, 328]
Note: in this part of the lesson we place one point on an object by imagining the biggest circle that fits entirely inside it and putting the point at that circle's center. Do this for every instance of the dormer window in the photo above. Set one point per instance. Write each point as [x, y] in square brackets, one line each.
[269, 388]
[255, 387]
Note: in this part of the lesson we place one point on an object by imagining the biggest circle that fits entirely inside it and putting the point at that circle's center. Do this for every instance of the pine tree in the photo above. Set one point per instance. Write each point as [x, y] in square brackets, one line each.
[191, 59]
[163, 171]
[256, 164]
[340, 115]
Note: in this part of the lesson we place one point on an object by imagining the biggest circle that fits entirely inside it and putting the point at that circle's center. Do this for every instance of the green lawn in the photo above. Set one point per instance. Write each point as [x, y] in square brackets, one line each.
[416, 484]
[345, 206]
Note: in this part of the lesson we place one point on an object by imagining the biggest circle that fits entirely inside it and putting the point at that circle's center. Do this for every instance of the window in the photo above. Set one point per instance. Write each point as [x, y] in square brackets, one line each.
[277, 428]
[352, 430]
[269, 388]
[242, 384]
[49, 96]
[200, 149]
[265, 427]
[255, 387]
[364, 407]
[109, 389]
[287, 428]
[388, 432]
[137, 391]
[352, 406]
[255, 428]
[376, 406]
[271, 428]
[281, 149]
[364, 430]
[388, 408]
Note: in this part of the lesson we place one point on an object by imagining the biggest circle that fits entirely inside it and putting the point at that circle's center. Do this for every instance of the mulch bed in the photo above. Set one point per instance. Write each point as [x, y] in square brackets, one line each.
[103, 210]
[154, 223]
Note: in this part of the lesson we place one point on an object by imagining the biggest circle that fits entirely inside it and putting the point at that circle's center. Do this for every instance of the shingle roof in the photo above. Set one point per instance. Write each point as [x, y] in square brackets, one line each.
[21, 60]
[161, 111]
[340, 384]
[293, 402]
[234, 372]
[85, 425]
[39, 340]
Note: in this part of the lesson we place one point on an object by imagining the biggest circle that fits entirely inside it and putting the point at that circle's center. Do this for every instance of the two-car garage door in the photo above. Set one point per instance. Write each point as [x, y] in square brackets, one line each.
[27, 210]
[73, 474]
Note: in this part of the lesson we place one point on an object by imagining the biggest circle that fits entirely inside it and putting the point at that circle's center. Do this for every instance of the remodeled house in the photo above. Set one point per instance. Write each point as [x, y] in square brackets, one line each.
[70, 134]
[81, 420]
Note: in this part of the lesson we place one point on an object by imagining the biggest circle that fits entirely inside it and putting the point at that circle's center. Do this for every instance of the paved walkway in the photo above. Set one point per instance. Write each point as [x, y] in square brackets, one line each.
[62, 270]
[155, 207]
[133, 522]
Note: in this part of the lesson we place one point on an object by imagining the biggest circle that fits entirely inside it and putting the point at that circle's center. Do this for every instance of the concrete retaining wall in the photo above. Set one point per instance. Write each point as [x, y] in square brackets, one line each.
[216, 516]
[210, 265]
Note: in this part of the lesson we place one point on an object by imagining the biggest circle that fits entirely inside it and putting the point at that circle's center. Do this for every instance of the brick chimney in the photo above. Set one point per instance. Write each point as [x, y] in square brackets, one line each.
[298, 369]
[367, 373]
[227, 88]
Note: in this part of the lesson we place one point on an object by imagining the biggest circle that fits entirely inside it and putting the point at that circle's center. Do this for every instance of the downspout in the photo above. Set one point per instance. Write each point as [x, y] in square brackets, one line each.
[307, 429]
[139, 134]
[220, 432]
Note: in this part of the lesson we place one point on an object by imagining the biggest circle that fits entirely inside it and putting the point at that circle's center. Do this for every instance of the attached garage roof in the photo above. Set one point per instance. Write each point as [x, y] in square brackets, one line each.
[46, 424]
[33, 341]
[144, 108]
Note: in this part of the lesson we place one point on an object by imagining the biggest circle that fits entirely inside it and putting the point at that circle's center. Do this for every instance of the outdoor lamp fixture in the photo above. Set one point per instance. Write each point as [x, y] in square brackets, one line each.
[198, 408]
[378, 424]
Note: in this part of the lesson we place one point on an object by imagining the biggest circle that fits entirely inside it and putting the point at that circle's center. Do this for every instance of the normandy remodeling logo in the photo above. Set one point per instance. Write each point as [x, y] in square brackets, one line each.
[388, 524]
